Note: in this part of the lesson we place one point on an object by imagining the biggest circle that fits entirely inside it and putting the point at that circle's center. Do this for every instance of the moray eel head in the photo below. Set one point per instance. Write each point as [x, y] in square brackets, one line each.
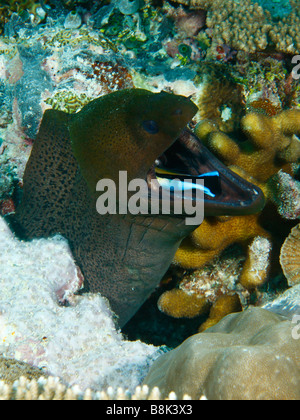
[143, 133]
[126, 130]
[122, 256]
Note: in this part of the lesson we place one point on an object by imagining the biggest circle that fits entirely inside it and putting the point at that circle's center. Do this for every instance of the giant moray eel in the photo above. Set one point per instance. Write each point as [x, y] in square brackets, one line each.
[122, 256]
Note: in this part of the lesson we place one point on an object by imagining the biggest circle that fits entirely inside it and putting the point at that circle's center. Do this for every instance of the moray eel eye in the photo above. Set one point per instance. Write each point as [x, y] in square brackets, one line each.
[150, 126]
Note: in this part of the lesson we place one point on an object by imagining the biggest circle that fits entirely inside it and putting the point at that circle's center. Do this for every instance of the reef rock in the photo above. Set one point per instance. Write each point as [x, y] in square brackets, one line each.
[44, 324]
[249, 355]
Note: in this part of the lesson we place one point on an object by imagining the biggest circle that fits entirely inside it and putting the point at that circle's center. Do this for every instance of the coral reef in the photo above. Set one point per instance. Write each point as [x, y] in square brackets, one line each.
[73, 20]
[277, 8]
[44, 324]
[234, 58]
[222, 286]
[252, 26]
[290, 257]
[179, 304]
[256, 267]
[67, 101]
[213, 236]
[221, 97]
[271, 145]
[246, 356]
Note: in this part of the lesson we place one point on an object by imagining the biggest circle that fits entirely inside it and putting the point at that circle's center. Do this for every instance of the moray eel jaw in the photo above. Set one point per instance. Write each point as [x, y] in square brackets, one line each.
[224, 192]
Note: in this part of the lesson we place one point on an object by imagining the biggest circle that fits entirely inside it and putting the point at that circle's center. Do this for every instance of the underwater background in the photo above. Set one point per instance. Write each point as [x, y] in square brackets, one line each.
[239, 62]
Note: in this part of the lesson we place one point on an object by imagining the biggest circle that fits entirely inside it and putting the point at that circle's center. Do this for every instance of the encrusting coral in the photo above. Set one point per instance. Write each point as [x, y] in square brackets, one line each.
[246, 356]
[44, 324]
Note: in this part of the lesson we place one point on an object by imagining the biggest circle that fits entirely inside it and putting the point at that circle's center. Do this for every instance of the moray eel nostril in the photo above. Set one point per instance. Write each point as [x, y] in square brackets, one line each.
[122, 256]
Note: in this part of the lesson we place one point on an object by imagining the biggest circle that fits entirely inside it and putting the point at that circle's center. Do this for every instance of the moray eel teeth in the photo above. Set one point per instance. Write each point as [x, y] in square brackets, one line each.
[122, 256]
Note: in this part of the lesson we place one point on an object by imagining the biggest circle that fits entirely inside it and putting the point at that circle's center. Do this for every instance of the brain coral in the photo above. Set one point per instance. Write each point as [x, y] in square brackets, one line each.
[249, 355]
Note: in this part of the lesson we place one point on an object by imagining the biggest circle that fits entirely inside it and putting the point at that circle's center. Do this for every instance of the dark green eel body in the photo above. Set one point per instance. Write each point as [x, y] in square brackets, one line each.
[121, 256]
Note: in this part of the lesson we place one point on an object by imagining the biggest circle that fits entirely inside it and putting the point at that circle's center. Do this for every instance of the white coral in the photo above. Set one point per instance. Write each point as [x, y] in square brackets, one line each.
[79, 343]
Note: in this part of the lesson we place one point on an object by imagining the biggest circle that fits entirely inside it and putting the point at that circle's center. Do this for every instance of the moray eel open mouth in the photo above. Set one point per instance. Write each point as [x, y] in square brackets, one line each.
[188, 160]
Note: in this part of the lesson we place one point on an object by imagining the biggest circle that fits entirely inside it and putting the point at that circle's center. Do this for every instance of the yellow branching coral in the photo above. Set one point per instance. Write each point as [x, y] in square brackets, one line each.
[224, 305]
[270, 144]
[223, 286]
[213, 236]
[179, 304]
